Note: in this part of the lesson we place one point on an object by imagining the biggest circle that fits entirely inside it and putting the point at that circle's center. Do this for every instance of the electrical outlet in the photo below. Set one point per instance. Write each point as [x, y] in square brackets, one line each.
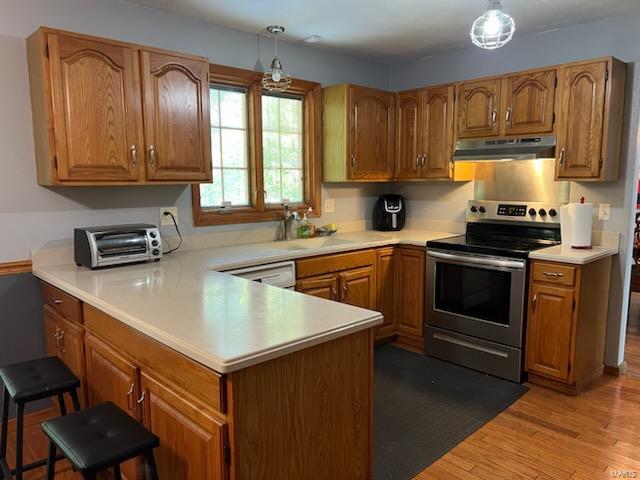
[604, 212]
[329, 205]
[166, 219]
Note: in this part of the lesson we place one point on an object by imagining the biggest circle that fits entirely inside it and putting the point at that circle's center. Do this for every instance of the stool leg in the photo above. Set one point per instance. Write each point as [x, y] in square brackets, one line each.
[5, 422]
[51, 461]
[151, 465]
[89, 475]
[63, 407]
[19, 434]
[116, 472]
[74, 398]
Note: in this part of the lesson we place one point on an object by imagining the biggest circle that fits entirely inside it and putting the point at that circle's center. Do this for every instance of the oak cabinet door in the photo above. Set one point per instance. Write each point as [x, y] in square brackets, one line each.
[96, 109]
[50, 331]
[113, 378]
[176, 117]
[191, 440]
[549, 331]
[478, 108]
[409, 286]
[408, 141]
[324, 286]
[437, 132]
[582, 91]
[358, 287]
[529, 103]
[386, 291]
[372, 134]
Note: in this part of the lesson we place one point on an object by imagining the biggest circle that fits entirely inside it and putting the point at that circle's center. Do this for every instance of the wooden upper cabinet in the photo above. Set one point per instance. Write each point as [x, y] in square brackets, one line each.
[478, 108]
[176, 117]
[549, 331]
[437, 132]
[408, 138]
[95, 106]
[87, 102]
[372, 133]
[358, 133]
[590, 104]
[529, 103]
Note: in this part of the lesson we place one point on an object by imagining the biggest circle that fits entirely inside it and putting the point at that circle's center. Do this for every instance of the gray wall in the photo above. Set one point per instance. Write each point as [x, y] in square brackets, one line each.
[615, 36]
[35, 215]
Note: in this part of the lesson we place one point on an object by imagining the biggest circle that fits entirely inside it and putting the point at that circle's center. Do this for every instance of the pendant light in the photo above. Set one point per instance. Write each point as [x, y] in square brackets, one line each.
[493, 28]
[276, 80]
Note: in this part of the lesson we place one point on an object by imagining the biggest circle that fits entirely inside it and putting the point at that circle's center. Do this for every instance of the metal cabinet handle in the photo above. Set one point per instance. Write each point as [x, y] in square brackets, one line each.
[130, 397]
[152, 155]
[56, 336]
[353, 161]
[60, 340]
[553, 274]
[57, 301]
[334, 294]
[345, 290]
[134, 156]
[562, 155]
[140, 402]
[507, 115]
[494, 117]
[424, 159]
[419, 160]
[534, 302]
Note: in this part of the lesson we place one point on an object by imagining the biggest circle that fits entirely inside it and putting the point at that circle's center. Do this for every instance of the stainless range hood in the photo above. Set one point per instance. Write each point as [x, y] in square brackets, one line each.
[484, 149]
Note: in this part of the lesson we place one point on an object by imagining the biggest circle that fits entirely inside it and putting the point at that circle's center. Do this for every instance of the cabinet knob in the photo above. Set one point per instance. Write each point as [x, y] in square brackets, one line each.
[152, 155]
[134, 156]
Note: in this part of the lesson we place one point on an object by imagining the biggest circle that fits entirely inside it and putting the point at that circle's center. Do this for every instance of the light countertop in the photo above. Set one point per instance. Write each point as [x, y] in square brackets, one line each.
[224, 322]
[565, 254]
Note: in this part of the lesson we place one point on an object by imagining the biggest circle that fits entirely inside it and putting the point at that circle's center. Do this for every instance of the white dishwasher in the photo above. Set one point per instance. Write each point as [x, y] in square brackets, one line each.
[281, 274]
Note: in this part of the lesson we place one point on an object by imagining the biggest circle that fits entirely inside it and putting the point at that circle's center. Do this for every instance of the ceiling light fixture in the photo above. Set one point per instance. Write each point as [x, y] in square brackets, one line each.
[312, 39]
[276, 80]
[493, 28]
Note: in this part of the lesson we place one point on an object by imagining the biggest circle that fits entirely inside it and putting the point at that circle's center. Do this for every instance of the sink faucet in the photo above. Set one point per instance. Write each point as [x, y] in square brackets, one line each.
[287, 218]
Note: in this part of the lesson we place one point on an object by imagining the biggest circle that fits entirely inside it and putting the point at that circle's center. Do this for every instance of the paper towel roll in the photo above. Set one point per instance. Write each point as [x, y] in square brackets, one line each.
[581, 215]
[565, 226]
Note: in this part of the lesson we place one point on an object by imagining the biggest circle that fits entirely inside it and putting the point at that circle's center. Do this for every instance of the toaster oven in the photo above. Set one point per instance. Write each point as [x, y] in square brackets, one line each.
[96, 247]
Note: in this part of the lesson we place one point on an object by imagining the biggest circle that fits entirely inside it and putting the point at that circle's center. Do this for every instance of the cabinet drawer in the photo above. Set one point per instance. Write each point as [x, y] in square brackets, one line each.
[554, 273]
[325, 264]
[63, 303]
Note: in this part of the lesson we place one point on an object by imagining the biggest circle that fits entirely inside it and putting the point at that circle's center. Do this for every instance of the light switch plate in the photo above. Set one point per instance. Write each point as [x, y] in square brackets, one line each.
[604, 212]
[166, 219]
[329, 205]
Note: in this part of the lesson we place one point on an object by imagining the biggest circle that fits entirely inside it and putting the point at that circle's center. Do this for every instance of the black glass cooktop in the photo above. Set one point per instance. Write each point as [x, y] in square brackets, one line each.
[499, 240]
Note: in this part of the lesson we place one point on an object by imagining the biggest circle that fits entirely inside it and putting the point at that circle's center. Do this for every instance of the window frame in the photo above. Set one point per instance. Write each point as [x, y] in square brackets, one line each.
[259, 211]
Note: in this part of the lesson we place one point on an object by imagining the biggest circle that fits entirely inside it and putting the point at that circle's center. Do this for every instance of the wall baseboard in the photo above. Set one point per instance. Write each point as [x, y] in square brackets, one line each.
[35, 418]
[11, 268]
[616, 371]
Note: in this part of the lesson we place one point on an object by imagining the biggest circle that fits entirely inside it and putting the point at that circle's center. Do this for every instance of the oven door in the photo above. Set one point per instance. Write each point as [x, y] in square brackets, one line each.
[476, 295]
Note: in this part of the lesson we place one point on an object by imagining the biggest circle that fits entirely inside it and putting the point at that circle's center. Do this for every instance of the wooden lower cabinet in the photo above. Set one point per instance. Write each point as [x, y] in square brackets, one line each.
[192, 441]
[358, 287]
[321, 286]
[65, 338]
[409, 287]
[567, 318]
[386, 292]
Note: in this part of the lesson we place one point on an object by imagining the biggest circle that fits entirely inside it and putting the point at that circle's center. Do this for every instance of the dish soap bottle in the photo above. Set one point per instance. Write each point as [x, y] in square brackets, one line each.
[304, 230]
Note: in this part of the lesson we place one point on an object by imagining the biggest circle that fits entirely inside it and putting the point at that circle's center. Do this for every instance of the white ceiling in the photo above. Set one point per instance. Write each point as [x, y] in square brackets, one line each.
[390, 29]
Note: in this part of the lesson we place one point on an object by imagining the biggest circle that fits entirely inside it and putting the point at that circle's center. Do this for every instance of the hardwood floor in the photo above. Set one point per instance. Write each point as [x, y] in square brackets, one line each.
[548, 435]
[632, 346]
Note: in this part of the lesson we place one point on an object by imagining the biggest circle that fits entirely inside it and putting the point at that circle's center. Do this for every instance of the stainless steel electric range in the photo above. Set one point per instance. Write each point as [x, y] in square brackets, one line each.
[477, 285]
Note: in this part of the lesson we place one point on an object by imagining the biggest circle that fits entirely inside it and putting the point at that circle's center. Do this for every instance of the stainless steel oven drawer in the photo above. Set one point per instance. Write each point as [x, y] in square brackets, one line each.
[493, 358]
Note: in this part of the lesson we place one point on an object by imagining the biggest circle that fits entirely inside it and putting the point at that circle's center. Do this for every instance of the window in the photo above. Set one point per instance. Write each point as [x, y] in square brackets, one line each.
[265, 149]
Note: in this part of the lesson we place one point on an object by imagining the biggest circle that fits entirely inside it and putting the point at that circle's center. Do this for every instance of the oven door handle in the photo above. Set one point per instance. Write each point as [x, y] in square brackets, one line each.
[490, 262]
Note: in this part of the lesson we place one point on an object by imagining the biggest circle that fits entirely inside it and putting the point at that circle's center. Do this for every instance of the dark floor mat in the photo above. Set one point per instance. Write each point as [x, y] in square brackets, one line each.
[424, 407]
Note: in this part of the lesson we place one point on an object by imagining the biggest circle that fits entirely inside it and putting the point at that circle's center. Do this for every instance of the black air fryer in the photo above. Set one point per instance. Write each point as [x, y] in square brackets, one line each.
[389, 213]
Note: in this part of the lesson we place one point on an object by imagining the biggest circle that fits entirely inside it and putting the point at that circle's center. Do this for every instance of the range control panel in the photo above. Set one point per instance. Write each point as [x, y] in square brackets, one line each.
[512, 210]
[531, 212]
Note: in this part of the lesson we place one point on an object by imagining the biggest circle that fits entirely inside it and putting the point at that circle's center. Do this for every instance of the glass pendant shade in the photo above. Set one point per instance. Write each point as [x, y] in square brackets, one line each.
[494, 28]
[276, 80]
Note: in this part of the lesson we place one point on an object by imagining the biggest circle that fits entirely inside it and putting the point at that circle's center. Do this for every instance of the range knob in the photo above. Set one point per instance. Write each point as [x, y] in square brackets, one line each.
[482, 209]
[553, 212]
[474, 209]
[152, 234]
[532, 212]
[155, 251]
[542, 212]
[154, 243]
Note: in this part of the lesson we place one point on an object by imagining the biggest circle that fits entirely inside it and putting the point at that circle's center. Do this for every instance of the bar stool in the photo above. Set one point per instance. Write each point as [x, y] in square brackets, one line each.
[26, 382]
[99, 438]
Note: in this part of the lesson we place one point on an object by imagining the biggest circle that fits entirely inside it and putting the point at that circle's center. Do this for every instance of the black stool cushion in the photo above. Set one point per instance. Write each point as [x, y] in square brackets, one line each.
[99, 437]
[35, 379]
